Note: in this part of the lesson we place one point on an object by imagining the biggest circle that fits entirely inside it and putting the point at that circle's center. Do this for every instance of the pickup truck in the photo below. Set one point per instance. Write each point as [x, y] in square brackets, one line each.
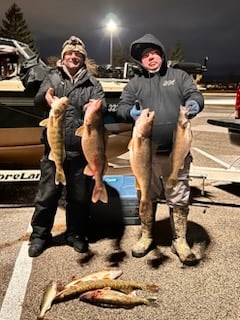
[233, 125]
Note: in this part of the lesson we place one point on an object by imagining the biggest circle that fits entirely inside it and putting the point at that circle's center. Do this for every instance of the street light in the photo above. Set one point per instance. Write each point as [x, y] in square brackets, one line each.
[111, 27]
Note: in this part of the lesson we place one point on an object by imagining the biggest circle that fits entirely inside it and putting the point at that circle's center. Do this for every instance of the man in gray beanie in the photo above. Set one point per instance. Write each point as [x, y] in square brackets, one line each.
[72, 79]
[74, 44]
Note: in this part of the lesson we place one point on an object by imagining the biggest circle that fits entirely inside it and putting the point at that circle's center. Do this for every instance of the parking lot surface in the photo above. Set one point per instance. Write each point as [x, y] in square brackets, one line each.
[208, 291]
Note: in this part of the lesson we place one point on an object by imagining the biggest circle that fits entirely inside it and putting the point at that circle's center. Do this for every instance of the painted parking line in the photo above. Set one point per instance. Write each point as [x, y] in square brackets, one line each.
[14, 298]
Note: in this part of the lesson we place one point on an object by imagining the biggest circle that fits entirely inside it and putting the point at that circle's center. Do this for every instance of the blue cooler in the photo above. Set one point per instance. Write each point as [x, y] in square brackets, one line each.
[125, 186]
[122, 206]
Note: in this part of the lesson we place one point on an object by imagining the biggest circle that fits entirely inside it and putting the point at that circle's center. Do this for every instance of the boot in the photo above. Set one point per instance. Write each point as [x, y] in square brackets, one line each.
[146, 242]
[178, 219]
[77, 226]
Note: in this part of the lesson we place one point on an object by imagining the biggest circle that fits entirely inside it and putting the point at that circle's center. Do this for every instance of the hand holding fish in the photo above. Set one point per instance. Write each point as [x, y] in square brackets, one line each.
[192, 108]
[49, 96]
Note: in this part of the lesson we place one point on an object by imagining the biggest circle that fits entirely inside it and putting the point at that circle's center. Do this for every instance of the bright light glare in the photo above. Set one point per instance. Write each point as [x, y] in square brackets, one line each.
[111, 26]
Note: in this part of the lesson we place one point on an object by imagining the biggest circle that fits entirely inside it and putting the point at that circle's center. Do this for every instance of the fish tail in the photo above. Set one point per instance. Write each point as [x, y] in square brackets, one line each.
[152, 287]
[100, 194]
[60, 177]
[152, 302]
[171, 183]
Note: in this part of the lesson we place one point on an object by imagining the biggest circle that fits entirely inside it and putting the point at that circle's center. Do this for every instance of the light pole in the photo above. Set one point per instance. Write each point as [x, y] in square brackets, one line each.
[111, 27]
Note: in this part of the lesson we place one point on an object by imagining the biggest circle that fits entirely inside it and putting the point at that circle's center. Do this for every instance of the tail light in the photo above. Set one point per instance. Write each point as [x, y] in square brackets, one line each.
[237, 103]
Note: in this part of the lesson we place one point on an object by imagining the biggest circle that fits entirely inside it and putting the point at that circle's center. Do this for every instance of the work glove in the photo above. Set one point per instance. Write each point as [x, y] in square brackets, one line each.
[193, 108]
[136, 110]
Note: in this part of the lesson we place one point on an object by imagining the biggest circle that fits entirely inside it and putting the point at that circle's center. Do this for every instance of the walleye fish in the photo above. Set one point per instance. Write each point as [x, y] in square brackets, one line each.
[122, 285]
[93, 145]
[55, 136]
[47, 299]
[99, 275]
[181, 146]
[140, 157]
[115, 299]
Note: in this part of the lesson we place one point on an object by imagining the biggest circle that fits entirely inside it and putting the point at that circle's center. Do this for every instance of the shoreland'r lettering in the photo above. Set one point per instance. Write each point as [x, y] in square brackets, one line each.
[21, 176]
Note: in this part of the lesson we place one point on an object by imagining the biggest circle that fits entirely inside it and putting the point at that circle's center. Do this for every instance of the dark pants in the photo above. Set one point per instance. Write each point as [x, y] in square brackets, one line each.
[78, 198]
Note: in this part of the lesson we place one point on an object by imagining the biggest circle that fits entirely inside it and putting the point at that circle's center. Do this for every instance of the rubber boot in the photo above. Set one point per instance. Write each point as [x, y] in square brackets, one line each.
[178, 219]
[146, 242]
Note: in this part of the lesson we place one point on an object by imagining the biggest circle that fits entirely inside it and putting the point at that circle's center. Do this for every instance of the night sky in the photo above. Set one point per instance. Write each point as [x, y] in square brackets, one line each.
[204, 28]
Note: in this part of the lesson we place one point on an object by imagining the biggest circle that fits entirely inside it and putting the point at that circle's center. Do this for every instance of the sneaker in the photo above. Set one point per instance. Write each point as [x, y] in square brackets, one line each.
[79, 244]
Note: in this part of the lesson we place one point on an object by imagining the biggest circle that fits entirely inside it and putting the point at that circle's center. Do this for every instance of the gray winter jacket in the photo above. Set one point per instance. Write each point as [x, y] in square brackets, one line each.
[163, 92]
[86, 87]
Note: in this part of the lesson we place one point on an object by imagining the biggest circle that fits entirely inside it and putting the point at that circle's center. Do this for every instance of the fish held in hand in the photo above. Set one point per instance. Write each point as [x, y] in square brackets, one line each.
[140, 156]
[55, 136]
[93, 140]
[47, 299]
[181, 147]
[115, 299]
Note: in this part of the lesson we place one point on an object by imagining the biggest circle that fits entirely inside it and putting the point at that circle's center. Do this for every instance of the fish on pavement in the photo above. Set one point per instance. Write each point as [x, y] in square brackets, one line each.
[47, 299]
[55, 136]
[94, 144]
[181, 146]
[108, 274]
[115, 299]
[126, 286]
[140, 157]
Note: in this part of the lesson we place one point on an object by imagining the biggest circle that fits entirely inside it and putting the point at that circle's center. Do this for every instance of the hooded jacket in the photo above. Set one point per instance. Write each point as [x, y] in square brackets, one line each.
[86, 87]
[163, 92]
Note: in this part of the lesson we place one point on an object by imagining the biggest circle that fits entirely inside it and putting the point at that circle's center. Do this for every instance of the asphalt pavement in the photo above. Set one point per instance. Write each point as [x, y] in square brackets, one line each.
[208, 291]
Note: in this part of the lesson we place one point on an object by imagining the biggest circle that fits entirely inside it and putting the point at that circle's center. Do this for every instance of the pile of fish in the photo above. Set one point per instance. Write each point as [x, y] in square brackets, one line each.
[100, 288]
[181, 146]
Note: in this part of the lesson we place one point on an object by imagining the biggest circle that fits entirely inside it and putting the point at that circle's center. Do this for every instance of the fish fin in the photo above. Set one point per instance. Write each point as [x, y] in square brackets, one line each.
[152, 302]
[171, 183]
[133, 293]
[50, 156]
[79, 131]
[44, 122]
[106, 134]
[87, 171]
[126, 290]
[100, 194]
[137, 185]
[130, 144]
[105, 164]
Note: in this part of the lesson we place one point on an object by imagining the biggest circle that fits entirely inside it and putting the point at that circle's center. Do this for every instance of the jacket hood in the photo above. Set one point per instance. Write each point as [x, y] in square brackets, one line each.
[148, 41]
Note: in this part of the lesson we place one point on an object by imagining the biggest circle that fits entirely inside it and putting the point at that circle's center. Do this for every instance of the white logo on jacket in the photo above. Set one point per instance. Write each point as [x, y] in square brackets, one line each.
[168, 83]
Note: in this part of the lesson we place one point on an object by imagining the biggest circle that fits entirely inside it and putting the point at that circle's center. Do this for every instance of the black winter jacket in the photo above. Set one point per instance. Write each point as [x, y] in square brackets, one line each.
[86, 87]
[163, 92]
